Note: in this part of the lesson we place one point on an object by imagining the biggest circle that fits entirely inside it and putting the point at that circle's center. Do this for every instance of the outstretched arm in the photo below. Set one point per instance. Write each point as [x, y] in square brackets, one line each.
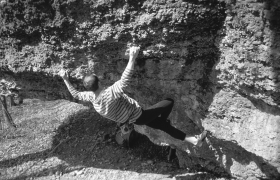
[84, 96]
[120, 85]
[133, 53]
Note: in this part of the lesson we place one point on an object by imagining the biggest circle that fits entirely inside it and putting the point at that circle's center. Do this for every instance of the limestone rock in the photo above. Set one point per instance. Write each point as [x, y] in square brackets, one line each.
[218, 59]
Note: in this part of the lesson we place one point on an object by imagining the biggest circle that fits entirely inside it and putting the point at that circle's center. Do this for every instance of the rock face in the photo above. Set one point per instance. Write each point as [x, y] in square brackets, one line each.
[218, 59]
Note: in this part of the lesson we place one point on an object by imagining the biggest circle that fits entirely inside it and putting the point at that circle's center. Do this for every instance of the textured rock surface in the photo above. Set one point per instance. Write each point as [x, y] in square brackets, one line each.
[219, 60]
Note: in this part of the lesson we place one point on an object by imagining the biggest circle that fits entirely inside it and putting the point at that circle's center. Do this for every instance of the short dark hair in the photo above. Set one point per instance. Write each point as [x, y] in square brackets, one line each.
[90, 82]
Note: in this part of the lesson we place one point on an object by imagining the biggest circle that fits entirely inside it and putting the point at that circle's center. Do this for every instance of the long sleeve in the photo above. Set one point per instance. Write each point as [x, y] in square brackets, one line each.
[83, 96]
[119, 86]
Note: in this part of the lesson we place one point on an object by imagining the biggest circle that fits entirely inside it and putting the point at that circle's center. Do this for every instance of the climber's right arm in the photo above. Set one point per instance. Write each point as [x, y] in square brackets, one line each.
[84, 96]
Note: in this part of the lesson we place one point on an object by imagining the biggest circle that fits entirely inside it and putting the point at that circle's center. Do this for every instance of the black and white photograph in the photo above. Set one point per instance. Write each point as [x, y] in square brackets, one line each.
[139, 89]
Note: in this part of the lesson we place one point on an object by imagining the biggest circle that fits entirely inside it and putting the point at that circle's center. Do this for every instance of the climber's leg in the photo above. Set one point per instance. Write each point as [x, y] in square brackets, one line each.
[165, 126]
[156, 117]
[162, 124]
[162, 109]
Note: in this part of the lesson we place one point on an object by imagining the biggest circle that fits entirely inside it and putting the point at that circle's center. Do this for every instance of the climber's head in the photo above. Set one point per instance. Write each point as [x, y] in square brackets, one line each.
[91, 82]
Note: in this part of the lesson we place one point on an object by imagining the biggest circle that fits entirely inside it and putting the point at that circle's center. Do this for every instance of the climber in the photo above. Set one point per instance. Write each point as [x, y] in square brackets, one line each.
[113, 103]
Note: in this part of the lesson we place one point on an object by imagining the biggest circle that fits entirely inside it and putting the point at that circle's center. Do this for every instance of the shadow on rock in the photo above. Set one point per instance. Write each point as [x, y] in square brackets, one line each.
[88, 139]
[229, 150]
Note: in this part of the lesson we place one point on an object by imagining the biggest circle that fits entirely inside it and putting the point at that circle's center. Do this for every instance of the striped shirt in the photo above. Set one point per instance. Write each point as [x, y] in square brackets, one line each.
[112, 102]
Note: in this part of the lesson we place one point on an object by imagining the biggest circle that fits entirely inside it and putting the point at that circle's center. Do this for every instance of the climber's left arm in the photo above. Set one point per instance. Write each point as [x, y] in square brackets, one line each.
[119, 86]
[83, 96]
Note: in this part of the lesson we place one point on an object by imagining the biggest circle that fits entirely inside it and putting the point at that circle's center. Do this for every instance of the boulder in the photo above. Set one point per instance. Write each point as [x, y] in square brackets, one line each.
[218, 59]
